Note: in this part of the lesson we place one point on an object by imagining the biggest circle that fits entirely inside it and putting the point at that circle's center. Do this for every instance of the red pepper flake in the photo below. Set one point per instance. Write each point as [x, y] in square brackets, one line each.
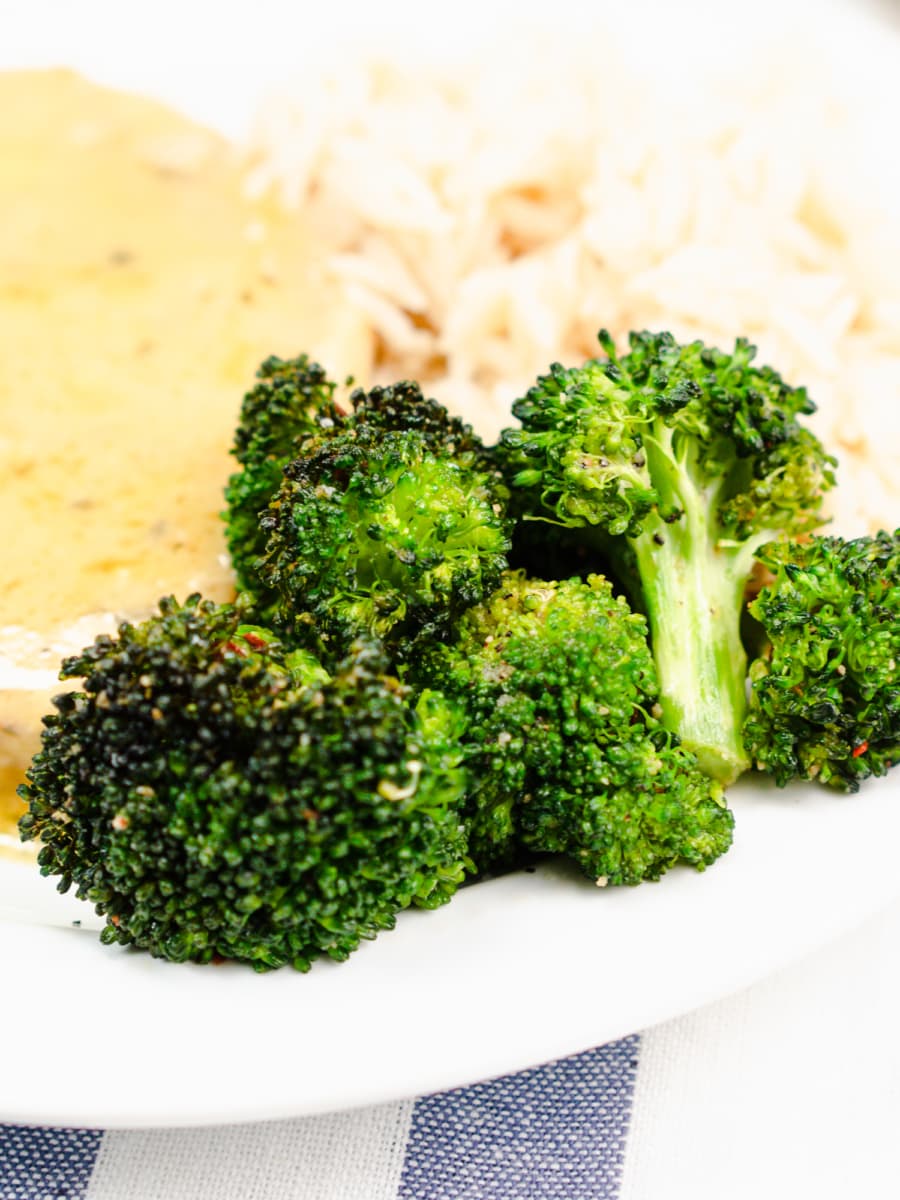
[255, 641]
[860, 749]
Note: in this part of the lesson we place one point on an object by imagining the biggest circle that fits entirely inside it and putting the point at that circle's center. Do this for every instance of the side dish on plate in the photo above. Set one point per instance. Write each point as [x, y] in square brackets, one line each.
[404, 697]
[424, 648]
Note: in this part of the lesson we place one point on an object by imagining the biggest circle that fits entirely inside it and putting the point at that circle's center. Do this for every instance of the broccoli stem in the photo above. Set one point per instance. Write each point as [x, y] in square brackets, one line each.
[692, 592]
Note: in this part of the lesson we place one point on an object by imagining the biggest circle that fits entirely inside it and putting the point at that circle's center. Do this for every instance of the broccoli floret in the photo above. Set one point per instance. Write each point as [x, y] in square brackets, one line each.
[565, 752]
[386, 520]
[403, 407]
[825, 699]
[384, 531]
[293, 399]
[677, 463]
[218, 796]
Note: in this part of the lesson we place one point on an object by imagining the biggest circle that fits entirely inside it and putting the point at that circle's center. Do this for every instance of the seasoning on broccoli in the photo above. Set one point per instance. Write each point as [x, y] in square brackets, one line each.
[390, 525]
[825, 699]
[293, 399]
[402, 407]
[564, 749]
[676, 463]
[219, 797]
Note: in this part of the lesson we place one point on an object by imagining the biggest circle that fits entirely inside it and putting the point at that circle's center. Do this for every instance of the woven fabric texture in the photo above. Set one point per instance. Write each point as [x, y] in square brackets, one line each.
[46, 1164]
[557, 1132]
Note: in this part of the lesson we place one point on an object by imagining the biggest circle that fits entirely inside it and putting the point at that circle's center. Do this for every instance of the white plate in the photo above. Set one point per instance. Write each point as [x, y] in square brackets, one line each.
[512, 972]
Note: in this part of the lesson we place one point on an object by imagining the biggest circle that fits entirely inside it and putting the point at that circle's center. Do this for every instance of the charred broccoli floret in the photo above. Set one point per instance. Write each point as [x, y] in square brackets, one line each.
[217, 796]
[676, 463]
[293, 399]
[386, 531]
[402, 407]
[825, 699]
[565, 752]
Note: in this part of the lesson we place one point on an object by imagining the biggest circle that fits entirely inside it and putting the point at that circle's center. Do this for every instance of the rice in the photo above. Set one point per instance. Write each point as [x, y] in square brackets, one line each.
[487, 219]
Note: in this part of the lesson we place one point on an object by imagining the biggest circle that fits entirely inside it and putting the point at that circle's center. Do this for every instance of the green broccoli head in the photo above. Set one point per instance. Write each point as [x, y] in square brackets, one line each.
[565, 752]
[620, 438]
[293, 399]
[217, 796]
[402, 407]
[825, 699]
[383, 532]
[674, 464]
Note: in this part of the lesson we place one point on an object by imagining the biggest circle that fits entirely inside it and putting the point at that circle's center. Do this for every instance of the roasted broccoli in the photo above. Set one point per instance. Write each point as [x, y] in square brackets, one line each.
[564, 748]
[293, 399]
[675, 464]
[825, 699]
[217, 796]
[388, 709]
[391, 525]
[403, 408]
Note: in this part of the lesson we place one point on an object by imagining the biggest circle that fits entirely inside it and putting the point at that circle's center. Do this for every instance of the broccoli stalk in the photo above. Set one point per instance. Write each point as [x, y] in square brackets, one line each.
[692, 585]
[676, 463]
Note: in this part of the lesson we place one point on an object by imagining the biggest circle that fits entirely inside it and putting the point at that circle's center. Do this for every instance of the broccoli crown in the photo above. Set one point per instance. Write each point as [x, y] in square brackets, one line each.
[402, 407]
[216, 796]
[381, 532]
[825, 699]
[292, 399]
[611, 441]
[564, 751]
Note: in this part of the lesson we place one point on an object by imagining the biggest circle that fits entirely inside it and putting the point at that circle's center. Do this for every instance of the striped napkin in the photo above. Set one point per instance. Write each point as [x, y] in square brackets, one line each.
[789, 1089]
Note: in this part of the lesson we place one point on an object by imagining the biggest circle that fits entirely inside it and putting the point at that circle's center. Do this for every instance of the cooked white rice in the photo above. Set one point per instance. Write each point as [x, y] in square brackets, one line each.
[487, 218]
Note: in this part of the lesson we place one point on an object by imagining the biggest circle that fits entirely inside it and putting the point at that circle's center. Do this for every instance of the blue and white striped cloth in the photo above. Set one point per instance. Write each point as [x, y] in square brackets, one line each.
[790, 1089]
